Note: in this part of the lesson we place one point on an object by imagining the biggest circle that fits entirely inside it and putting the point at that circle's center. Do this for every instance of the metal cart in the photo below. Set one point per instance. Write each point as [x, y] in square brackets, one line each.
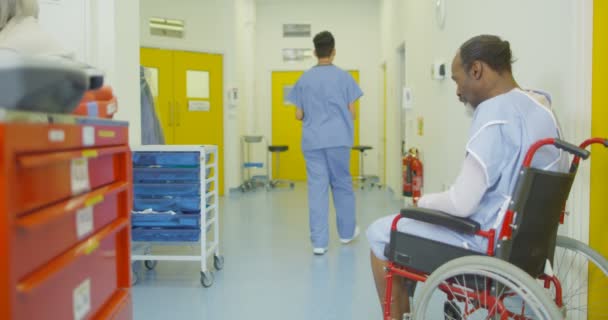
[176, 225]
[251, 181]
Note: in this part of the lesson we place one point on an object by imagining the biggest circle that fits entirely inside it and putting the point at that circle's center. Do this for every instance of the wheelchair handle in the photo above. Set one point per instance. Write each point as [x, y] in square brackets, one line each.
[584, 145]
[566, 146]
[591, 141]
[560, 144]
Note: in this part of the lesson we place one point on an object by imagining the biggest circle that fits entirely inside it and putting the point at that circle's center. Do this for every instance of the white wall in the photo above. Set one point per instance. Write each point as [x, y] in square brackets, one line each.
[104, 34]
[70, 33]
[245, 44]
[550, 40]
[354, 24]
[210, 26]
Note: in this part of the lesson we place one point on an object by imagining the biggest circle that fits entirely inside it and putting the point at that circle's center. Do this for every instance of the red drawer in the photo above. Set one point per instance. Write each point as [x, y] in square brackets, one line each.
[34, 137]
[78, 283]
[42, 179]
[43, 235]
[111, 135]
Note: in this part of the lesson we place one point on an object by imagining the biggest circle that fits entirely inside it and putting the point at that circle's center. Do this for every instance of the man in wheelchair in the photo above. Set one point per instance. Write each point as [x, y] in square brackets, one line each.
[507, 121]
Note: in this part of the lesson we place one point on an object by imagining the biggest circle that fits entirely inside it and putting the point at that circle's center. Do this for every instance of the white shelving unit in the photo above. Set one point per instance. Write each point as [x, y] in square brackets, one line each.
[209, 217]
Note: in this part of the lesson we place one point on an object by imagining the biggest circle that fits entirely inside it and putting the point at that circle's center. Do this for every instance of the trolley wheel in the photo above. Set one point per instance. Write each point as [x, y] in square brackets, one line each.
[218, 262]
[150, 264]
[206, 279]
[134, 278]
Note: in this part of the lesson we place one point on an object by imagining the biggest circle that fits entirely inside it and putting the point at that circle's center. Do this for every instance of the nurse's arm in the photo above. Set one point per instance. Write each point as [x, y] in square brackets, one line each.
[351, 108]
[299, 114]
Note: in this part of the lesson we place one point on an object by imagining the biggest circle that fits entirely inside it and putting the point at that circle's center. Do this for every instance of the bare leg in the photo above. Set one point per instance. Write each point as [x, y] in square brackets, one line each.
[400, 303]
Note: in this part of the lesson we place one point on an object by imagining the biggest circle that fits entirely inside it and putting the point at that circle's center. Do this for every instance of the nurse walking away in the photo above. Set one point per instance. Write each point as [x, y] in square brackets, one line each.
[325, 98]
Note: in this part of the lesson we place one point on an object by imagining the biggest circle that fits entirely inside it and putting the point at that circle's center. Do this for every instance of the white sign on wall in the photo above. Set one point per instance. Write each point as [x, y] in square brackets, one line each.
[199, 106]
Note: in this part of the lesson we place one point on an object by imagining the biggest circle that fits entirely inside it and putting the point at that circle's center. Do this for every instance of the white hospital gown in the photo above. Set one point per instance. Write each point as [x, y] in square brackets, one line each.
[502, 130]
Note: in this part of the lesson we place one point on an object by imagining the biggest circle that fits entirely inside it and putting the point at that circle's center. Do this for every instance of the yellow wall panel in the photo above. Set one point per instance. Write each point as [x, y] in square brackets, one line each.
[599, 160]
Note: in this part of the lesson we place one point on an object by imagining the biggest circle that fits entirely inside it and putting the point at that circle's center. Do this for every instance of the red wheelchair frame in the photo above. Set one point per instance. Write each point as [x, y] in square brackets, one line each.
[485, 298]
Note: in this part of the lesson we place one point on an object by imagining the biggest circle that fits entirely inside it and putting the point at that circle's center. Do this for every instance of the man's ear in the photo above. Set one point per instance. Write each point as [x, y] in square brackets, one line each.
[476, 70]
[315, 53]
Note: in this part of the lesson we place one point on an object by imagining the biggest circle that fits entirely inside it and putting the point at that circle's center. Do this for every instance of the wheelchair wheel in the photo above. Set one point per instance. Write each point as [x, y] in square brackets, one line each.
[583, 274]
[484, 288]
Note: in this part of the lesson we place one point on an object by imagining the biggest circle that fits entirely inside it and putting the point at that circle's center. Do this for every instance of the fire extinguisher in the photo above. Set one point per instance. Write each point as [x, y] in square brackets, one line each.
[412, 175]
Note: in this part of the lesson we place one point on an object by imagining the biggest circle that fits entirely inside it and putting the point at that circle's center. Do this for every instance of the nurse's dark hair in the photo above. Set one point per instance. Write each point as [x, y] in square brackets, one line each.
[489, 49]
[324, 44]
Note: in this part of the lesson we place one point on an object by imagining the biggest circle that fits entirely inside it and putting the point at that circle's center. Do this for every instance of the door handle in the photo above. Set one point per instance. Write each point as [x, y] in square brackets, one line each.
[171, 114]
[179, 115]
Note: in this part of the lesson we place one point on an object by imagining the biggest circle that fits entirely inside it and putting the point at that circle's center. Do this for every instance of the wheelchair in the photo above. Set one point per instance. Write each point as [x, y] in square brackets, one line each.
[527, 272]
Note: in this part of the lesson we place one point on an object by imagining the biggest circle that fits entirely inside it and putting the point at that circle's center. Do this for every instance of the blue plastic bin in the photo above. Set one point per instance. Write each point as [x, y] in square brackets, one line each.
[166, 159]
[160, 204]
[165, 235]
[166, 220]
[166, 189]
[166, 175]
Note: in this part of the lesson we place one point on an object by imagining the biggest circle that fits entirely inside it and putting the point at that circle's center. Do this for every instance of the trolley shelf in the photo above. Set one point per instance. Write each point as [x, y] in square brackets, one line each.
[164, 179]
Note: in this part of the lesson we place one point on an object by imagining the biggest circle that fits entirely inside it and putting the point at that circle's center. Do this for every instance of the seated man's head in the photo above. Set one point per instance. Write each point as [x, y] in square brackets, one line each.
[482, 69]
[325, 45]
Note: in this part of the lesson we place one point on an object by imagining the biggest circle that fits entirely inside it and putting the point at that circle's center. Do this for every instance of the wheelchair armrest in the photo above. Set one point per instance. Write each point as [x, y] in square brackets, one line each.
[443, 219]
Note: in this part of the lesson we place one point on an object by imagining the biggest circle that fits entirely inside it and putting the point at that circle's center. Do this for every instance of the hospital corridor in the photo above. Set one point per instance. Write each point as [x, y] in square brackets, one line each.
[303, 159]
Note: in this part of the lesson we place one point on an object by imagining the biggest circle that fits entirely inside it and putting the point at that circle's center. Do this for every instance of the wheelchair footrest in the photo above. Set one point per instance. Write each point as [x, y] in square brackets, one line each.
[422, 254]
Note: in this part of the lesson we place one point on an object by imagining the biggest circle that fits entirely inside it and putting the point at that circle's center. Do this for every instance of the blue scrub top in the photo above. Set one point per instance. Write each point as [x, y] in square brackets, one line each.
[324, 94]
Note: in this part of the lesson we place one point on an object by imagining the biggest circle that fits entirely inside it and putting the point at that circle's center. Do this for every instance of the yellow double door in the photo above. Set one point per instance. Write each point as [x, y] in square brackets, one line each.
[188, 95]
[286, 130]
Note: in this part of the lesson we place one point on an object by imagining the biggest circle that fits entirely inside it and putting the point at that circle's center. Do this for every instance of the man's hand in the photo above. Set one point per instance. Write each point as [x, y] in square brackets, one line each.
[299, 114]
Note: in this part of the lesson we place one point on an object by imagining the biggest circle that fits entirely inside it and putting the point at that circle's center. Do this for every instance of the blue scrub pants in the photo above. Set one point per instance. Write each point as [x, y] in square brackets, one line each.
[325, 167]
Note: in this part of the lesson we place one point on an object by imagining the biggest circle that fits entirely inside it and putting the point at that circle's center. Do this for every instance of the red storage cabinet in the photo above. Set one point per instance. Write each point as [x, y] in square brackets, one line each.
[65, 199]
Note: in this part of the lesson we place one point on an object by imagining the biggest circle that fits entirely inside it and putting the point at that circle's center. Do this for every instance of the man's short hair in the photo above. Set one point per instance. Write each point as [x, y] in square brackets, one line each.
[324, 44]
[489, 49]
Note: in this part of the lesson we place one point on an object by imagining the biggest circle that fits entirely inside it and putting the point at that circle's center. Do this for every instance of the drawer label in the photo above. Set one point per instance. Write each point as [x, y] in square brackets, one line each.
[56, 135]
[106, 134]
[80, 176]
[84, 221]
[93, 200]
[82, 300]
[88, 136]
[90, 153]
